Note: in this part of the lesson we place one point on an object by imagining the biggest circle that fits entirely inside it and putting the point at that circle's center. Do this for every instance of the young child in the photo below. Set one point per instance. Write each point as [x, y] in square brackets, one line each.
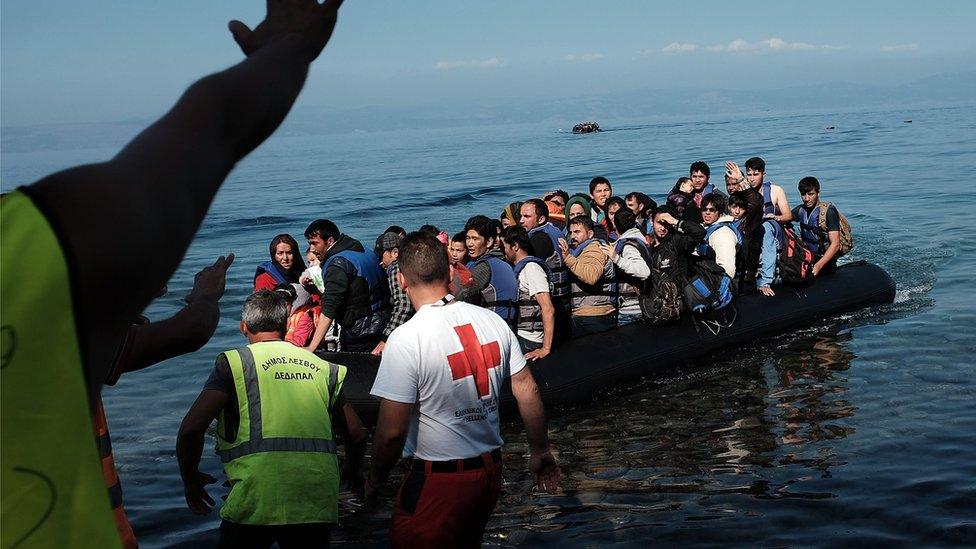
[682, 198]
[303, 314]
[313, 274]
[457, 252]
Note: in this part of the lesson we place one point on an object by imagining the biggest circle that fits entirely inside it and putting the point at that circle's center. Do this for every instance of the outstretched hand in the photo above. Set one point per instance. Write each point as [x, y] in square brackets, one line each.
[308, 19]
[209, 283]
[545, 471]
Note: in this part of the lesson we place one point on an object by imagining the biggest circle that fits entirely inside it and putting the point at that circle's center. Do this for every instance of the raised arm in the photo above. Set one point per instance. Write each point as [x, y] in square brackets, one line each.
[126, 223]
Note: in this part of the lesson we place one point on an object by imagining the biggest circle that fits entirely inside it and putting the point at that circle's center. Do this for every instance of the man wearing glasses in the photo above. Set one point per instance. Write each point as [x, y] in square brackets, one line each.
[722, 236]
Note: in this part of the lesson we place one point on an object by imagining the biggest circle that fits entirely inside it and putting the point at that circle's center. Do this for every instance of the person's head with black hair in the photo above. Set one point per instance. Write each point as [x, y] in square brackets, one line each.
[738, 205]
[614, 205]
[287, 257]
[713, 206]
[396, 229]
[458, 249]
[423, 263]
[665, 219]
[600, 192]
[699, 173]
[264, 313]
[480, 235]
[516, 244]
[579, 230]
[510, 215]
[321, 235]
[642, 205]
[287, 291]
[807, 184]
[534, 214]
[809, 188]
[624, 221]
[429, 229]
[755, 171]
[559, 197]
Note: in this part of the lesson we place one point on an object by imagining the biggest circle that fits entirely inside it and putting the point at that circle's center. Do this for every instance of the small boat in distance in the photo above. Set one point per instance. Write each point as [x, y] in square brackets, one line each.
[586, 127]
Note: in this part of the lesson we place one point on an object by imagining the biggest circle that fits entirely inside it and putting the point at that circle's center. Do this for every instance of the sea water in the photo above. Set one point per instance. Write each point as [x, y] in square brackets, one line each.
[856, 429]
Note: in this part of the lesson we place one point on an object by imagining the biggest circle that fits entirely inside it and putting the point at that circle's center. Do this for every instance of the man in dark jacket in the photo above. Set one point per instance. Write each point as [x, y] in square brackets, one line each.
[674, 240]
[355, 289]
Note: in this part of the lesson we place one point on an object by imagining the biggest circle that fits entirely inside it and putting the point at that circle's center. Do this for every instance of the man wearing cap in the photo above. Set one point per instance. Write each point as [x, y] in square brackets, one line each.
[388, 250]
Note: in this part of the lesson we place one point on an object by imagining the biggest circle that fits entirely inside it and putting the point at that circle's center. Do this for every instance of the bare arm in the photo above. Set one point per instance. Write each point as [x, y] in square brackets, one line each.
[834, 237]
[184, 332]
[127, 222]
[391, 433]
[548, 326]
[347, 425]
[779, 197]
[320, 330]
[541, 462]
[189, 448]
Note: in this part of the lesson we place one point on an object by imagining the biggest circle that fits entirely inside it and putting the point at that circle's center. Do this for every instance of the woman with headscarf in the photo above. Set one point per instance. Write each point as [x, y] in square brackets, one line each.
[579, 204]
[286, 264]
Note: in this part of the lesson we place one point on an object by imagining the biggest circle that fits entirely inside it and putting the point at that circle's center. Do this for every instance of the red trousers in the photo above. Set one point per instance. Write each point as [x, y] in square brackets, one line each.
[445, 509]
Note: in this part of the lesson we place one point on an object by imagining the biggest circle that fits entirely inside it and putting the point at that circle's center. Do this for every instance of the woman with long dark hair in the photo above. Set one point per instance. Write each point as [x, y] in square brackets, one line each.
[286, 264]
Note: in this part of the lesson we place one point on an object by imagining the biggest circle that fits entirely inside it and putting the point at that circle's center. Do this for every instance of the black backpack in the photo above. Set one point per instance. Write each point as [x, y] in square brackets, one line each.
[795, 262]
[709, 287]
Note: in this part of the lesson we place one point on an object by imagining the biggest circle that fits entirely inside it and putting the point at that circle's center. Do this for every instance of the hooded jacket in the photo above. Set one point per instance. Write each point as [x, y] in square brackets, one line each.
[347, 297]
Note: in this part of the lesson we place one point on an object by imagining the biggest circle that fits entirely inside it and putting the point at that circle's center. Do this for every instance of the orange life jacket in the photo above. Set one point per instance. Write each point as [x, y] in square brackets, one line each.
[104, 442]
[294, 319]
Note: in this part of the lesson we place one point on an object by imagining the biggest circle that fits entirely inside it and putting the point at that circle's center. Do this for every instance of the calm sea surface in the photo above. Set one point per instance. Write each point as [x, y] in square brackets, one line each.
[858, 429]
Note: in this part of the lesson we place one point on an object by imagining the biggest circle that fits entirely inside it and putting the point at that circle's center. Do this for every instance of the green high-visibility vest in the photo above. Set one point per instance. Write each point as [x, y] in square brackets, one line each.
[53, 492]
[281, 461]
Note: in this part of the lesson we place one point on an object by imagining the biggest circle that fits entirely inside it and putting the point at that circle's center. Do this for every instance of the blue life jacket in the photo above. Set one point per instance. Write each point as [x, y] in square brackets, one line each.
[767, 192]
[706, 190]
[364, 265]
[272, 269]
[604, 292]
[627, 284]
[559, 276]
[501, 293]
[529, 310]
[704, 250]
[810, 232]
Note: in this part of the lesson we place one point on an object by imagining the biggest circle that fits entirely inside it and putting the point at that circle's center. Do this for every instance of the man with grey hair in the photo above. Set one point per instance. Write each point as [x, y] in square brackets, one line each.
[279, 408]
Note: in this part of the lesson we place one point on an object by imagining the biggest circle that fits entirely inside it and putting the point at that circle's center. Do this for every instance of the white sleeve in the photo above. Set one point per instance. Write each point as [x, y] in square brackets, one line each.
[536, 281]
[632, 262]
[397, 378]
[723, 242]
[516, 360]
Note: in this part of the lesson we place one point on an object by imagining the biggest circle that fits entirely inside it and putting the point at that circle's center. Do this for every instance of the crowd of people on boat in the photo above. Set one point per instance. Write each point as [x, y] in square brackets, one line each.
[561, 266]
[450, 317]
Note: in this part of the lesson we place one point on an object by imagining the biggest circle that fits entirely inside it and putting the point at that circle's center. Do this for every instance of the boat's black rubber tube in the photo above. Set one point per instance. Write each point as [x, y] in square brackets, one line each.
[589, 364]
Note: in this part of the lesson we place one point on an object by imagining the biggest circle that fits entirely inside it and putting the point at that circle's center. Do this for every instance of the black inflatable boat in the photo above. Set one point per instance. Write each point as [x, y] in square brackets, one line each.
[588, 364]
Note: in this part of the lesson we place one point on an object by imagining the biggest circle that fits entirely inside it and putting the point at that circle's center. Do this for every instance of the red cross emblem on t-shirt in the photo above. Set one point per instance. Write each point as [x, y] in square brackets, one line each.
[475, 359]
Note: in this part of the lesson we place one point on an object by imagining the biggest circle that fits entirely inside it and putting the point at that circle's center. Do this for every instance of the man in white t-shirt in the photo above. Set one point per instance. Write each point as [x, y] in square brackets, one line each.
[537, 313]
[438, 383]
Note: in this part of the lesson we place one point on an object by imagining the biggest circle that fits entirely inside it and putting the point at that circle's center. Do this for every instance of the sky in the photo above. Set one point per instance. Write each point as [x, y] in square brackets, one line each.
[111, 60]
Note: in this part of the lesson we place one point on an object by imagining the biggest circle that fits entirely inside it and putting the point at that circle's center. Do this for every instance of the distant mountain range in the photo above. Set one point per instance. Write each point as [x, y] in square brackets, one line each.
[941, 90]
